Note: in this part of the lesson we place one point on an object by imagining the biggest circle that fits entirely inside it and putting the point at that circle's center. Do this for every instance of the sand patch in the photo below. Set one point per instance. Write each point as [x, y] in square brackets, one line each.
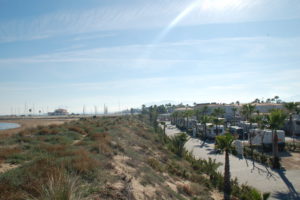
[142, 192]
[119, 162]
[291, 162]
[4, 167]
[216, 195]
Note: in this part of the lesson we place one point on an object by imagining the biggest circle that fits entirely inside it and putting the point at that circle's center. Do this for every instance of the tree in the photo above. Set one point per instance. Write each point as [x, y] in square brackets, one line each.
[177, 143]
[187, 114]
[276, 120]
[291, 108]
[247, 111]
[224, 143]
[217, 122]
[131, 111]
[153, 116]
[218, 112]
[234, 109]
[205, 110]
[262, 124]
[204, 120]
[144, 110]
[210, 166]
[161, 109]
[164, 125]
[256, 101]
[276, 99]
[175, 116]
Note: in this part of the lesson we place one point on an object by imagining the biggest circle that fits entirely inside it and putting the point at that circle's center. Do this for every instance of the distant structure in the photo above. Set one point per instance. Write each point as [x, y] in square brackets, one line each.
[59, 111]
[105, 110]
[228, 108]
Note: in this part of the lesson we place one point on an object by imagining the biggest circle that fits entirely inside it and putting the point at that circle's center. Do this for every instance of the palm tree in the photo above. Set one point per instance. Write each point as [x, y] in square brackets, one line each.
[164, 126]
[262, 124]
[205, 110]
[224, 143]
[204, 120]
[234, 109]
[175, 116]
[210, 167]
[188, 114]
[218, 112]
[291, 108]
[217, 122]
[247, 111]
[276, 121]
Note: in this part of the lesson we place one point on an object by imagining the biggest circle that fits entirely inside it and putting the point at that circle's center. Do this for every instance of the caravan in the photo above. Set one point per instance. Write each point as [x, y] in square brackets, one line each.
[238, 131]
[212, 131]
[265, 138]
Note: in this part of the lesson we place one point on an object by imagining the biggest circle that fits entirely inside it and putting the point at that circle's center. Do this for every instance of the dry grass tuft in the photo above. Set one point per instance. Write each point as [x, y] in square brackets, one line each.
[6, 152]
[60, 186]
[83, 163]
[77, 129]
[47, 131]
[185, 189]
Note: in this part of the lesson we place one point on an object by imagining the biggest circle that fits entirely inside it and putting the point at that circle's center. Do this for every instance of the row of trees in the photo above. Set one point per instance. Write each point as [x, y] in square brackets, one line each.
[224, 142]
[274, 120]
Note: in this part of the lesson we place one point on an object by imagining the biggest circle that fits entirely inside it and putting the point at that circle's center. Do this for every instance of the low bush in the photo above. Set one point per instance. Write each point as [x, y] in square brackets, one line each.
[289, 146]
[176, 144]
[82, 163]
[57, 139]
[8, 152]
[256, 156]
[185, 189]
[77, 129]
[155, 164]
[17, 158]
[57, 150]
[47, 131]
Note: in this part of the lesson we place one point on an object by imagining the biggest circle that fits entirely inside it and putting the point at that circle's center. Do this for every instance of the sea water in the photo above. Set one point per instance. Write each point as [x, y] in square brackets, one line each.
[4, 126]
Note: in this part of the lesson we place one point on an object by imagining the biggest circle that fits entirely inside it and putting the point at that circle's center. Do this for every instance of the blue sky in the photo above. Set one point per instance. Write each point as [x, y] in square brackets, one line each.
[64, 53]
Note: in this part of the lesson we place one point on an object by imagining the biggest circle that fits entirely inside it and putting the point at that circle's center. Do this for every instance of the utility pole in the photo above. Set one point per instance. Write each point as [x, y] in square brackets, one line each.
[96, 110]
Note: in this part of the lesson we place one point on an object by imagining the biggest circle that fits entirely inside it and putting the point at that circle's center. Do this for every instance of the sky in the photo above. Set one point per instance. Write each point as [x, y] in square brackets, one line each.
[86, 53]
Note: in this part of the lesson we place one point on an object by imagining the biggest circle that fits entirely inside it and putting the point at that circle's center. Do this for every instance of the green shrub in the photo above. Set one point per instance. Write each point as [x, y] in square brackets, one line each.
[176, 144]
[155, 164]
[17, 158]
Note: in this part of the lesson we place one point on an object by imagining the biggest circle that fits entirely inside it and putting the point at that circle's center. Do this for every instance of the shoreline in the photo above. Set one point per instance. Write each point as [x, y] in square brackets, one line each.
[11, 125]
[26, 123]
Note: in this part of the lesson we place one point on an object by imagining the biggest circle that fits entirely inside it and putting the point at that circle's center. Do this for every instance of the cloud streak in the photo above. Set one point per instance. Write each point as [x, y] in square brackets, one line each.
[143, 15]
[250, 49]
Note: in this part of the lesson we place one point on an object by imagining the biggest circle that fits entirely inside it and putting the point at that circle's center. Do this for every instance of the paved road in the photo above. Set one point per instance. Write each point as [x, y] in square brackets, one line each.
[281, 184]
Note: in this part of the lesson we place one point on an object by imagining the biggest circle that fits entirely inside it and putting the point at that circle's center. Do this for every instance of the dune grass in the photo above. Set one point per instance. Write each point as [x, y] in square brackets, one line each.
[102, 158]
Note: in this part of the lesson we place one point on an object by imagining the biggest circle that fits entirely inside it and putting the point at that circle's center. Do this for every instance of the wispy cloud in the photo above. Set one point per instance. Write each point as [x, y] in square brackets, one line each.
[249, 49]
[143, 15]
